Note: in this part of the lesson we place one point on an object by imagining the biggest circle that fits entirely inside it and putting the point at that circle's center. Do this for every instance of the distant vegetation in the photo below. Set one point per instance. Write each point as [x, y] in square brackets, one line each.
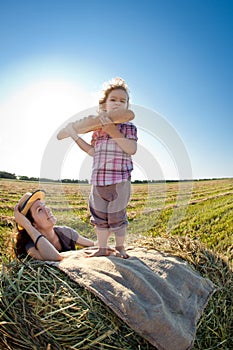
[7, 175]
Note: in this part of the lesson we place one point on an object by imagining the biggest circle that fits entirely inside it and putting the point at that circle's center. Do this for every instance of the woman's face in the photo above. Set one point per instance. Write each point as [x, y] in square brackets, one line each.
[42, 216]
[117, 99]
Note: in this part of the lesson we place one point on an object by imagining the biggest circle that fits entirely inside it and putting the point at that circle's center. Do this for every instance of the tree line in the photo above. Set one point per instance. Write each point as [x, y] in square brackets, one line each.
[7, 175]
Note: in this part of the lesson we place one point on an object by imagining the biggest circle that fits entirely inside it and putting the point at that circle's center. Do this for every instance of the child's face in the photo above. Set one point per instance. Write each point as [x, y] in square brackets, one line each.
[117, 99]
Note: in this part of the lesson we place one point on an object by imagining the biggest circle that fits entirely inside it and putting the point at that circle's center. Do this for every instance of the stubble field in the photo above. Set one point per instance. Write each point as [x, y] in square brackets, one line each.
[201, 210]
[192, 220]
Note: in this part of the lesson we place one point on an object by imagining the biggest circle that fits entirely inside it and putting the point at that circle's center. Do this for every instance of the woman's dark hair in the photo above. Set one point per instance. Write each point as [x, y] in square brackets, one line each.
[22, 238]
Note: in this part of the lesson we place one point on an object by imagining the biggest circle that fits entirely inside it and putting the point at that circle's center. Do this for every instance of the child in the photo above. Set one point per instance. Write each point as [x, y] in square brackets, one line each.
[111, 147]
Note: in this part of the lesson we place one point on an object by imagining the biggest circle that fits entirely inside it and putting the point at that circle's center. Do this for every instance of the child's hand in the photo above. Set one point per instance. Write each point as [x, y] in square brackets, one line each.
[107, 125]
[104, 119]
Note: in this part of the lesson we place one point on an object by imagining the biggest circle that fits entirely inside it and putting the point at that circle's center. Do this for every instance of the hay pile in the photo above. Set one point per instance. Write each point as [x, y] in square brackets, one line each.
[41, 308]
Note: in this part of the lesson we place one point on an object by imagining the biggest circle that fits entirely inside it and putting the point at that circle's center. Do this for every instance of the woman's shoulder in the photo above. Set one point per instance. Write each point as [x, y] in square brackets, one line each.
[63, 228]
[66, 231]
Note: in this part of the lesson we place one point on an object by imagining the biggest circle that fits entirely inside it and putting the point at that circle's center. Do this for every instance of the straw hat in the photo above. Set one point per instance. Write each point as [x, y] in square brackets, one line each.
[28, 199]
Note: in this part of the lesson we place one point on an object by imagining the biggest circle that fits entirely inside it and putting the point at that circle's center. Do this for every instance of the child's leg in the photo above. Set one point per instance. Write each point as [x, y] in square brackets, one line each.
[98, 210]
[120, 240]
[102, 239]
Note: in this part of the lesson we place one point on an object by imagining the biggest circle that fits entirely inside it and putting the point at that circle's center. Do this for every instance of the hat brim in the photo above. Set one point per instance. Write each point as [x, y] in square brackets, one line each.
[37, 195]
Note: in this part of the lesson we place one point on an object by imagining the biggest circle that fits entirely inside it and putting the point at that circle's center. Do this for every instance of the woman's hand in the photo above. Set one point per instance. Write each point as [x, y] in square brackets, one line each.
[20, 219]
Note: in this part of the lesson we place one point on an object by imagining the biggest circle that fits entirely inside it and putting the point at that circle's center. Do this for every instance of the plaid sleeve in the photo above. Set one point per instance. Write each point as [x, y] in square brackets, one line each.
[129, 130]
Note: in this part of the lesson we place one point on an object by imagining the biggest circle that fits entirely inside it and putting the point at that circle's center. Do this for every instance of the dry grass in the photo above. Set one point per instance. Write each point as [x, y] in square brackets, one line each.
[41, 308]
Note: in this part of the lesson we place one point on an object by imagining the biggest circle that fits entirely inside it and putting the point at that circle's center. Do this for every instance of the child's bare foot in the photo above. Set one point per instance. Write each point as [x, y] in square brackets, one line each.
[99, 252]
[122, 252]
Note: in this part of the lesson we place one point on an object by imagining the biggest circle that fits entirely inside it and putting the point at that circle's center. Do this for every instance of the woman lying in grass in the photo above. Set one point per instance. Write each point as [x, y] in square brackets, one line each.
[37, 234]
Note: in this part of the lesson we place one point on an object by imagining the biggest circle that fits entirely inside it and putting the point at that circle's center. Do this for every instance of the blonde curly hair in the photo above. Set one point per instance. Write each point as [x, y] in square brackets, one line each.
[115, 83]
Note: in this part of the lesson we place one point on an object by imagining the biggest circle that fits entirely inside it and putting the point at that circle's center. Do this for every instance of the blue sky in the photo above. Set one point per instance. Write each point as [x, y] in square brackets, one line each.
[175, 55]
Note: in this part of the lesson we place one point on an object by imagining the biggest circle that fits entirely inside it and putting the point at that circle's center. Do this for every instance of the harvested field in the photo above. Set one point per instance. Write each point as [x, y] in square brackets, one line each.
[42, 309]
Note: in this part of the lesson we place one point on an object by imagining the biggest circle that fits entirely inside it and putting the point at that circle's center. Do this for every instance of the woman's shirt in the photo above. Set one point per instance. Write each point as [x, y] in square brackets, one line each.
[111, 164]
[67, 237]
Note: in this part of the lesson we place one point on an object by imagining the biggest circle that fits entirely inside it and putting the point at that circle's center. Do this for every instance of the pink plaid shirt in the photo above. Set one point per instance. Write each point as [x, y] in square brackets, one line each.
[111, 165]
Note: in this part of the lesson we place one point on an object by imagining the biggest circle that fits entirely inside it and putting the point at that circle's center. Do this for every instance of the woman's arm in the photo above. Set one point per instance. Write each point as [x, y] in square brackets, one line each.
[44, 250]
[85, 242]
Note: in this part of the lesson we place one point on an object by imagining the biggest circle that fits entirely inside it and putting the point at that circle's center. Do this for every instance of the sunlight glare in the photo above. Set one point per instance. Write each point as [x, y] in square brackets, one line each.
[32, 116]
